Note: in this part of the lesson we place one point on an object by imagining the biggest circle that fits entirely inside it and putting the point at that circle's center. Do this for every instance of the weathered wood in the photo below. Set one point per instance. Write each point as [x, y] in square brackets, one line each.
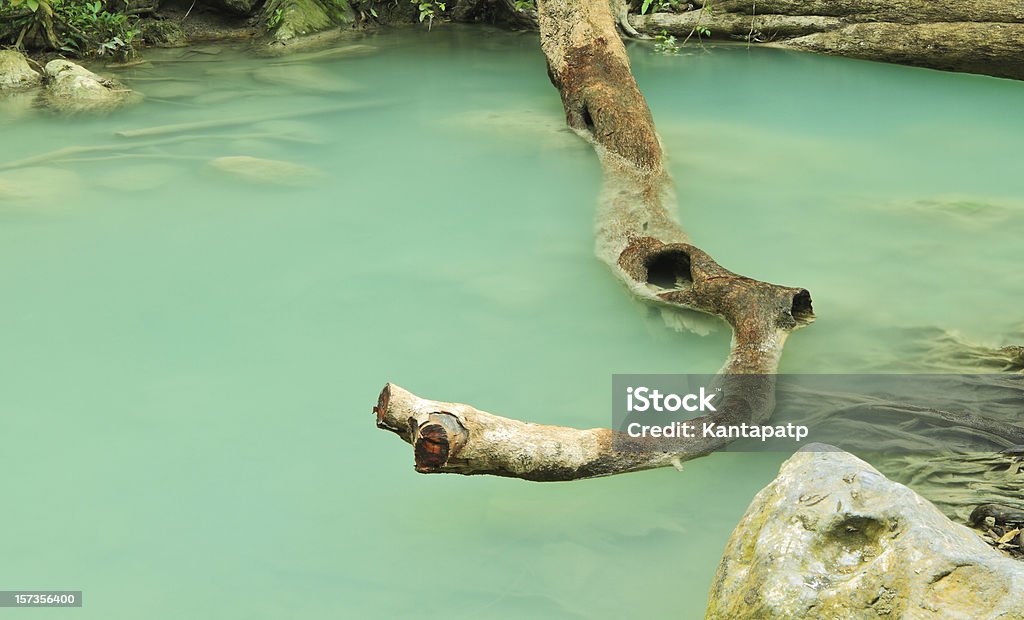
[460, 439]
[1000, 513]
[899, 11]
[987, 48]
[734, 25]
[975, 36]
[639, 238]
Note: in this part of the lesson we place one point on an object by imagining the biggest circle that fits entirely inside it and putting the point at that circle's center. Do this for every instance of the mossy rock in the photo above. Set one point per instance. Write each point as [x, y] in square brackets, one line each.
[15, 72]
[831, 537]
[288, 19]
[162, 32]
[73, 89]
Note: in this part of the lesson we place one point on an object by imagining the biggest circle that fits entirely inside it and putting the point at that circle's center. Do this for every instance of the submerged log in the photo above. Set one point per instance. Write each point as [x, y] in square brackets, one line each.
[975, 36]
[639, 238]
[1004, 515]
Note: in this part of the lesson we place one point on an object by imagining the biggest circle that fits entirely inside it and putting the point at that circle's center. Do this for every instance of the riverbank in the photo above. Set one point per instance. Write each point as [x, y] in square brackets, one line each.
[976, 36]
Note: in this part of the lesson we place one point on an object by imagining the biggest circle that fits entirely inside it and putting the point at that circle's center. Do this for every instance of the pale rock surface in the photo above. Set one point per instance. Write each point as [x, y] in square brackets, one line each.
[831, 537]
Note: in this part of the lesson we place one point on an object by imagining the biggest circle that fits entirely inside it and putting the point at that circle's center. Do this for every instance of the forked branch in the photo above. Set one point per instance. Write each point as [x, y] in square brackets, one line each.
[640, 239]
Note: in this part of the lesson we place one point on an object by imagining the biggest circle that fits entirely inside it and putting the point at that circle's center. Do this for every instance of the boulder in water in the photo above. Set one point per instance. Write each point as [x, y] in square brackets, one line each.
[831, 537]
[73, 89]
[291, 19]
[15, 72]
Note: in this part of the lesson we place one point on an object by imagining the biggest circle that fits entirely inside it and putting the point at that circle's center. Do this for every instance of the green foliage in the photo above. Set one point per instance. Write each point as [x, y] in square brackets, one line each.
[523, 6]
[92, 29]
[76, 27]
[658, 6]
[429, 10]
[274, 19]
[665, 43]
[27, 19]
[699, 28]
[365, 9]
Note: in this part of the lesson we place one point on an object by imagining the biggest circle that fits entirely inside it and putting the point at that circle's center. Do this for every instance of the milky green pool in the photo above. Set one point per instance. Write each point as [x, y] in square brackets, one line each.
[188, 358]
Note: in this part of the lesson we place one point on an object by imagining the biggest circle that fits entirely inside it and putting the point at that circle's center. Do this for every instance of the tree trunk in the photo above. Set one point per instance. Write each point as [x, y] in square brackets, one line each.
[977, 36]
[640, 239]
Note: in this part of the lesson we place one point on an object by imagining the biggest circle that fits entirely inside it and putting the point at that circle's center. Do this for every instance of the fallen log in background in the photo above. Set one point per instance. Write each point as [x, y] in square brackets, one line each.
[976, 36]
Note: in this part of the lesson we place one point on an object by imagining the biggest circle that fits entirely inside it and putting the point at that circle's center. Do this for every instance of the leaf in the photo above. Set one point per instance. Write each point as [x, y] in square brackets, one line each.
[1007, 537]
[33, 5]
[373, 11]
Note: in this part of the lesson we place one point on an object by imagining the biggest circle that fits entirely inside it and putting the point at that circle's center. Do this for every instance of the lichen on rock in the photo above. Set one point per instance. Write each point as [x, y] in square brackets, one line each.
[289, 19]
[831, 537]
[15, 72]
[73, 89]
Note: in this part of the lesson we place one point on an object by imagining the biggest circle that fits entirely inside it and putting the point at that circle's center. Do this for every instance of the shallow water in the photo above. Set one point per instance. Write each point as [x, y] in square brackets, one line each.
[188, 355]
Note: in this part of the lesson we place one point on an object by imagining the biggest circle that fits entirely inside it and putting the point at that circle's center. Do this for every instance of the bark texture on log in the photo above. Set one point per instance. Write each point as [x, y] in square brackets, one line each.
[899, 11]
[975, 36]
[734, 25]
[640, 239]
[989, 49]
[588, 65]
[460, 439]
[636, 233]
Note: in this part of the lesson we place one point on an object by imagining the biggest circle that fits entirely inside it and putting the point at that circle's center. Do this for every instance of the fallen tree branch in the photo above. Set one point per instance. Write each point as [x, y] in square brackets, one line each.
[977, 36]
[458, 438]
[988, 48]
[637, 235]
[640, 239]
[904, 11]
[735, 25]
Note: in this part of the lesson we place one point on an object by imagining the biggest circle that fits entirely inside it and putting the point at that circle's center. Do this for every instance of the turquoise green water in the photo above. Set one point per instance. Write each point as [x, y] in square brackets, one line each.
[188, 358]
